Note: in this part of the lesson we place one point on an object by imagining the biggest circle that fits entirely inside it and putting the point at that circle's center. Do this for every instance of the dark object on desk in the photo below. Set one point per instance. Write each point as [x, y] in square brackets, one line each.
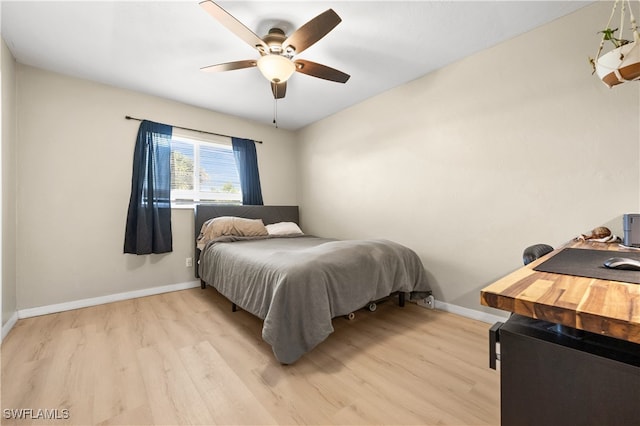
[534, 252]
[623, 263]
[631, 225]
[589, 263]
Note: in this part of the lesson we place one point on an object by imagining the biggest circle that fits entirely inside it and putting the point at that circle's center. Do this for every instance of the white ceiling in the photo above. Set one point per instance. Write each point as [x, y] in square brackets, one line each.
[158, 47]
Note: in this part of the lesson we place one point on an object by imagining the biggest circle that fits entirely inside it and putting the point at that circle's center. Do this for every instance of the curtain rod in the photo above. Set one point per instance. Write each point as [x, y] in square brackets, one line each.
[128, 117]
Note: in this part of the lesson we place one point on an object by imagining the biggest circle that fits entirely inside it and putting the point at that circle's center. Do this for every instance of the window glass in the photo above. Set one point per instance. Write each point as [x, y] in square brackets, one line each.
[203, 171]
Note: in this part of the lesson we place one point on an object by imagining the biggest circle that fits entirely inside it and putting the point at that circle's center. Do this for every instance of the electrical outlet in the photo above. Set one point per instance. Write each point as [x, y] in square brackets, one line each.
[429, 302]
[188, 262]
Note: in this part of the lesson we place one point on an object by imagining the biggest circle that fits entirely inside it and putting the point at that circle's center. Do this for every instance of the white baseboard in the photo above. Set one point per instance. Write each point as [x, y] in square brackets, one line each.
[471, 313]
[84, 303]
[6, 328]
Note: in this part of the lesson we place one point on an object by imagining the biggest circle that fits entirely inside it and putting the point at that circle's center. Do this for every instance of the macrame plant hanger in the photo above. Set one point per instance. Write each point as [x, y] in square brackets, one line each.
[622, 64]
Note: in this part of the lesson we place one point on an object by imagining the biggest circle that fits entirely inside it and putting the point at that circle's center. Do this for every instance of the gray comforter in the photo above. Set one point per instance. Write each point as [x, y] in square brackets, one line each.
[297, 285]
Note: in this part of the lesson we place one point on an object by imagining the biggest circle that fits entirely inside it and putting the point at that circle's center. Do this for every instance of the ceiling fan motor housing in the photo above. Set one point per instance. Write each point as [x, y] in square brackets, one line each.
[274, 40]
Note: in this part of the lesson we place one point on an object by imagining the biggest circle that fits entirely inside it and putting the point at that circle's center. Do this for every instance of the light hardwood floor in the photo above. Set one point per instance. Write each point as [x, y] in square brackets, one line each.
[184, 358]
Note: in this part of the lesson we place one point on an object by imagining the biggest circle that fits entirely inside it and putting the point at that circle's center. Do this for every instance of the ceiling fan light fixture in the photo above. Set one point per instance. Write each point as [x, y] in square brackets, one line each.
[276, 68]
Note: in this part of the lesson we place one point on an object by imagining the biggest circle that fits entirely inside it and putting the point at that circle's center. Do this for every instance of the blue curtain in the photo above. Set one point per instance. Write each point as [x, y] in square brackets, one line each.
[149, 218]
[244, 151]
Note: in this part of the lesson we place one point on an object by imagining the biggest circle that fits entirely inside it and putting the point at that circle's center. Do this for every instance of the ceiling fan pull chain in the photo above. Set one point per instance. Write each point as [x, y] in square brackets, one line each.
[275, 110]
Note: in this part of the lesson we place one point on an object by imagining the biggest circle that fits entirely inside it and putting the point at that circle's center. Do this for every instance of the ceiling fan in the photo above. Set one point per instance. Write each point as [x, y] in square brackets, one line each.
[277, 50]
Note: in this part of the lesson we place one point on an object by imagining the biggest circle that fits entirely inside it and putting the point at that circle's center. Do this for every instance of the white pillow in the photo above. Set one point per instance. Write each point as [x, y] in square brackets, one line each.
[284, 228]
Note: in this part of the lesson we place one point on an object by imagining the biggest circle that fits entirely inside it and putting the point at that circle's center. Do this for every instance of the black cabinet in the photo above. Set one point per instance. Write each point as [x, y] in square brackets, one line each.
[553, 375]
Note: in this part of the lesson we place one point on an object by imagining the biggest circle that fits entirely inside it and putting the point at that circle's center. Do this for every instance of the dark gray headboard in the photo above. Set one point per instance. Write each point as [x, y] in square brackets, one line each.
[268, 214]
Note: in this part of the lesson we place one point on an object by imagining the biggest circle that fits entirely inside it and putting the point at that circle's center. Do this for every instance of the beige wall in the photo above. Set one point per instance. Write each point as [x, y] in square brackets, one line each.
[75, 155]
[8, 183]
[516, 145]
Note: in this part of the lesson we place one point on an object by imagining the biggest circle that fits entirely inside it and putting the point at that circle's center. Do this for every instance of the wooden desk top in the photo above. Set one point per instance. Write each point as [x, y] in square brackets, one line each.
[609, 308]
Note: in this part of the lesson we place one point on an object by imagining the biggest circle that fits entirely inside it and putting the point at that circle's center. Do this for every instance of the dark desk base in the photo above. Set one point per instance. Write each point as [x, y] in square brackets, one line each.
[550, 377]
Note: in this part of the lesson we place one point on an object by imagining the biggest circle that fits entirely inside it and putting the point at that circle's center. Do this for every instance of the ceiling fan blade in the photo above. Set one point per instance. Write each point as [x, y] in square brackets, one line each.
[312, 31]
[321, 71]
[279, 89]
[232, 24]
[230, 66]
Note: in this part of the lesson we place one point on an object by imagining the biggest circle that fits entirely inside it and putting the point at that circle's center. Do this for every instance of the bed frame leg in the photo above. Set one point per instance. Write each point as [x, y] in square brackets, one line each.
[203, 285]
[234, 307]
[401, 299]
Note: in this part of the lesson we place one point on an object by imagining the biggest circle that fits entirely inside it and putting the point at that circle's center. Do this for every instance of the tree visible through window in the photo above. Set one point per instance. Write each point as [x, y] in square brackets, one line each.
[203, 172]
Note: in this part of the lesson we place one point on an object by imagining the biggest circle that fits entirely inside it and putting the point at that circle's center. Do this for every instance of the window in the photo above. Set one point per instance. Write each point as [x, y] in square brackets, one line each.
[203, 171]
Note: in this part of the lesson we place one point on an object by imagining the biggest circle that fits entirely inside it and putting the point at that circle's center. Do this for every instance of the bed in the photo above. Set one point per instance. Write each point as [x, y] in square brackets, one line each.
[297, 283]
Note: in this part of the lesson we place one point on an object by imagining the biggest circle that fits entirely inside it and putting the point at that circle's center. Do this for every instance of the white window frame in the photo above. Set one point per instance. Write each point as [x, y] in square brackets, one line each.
[187, 198]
